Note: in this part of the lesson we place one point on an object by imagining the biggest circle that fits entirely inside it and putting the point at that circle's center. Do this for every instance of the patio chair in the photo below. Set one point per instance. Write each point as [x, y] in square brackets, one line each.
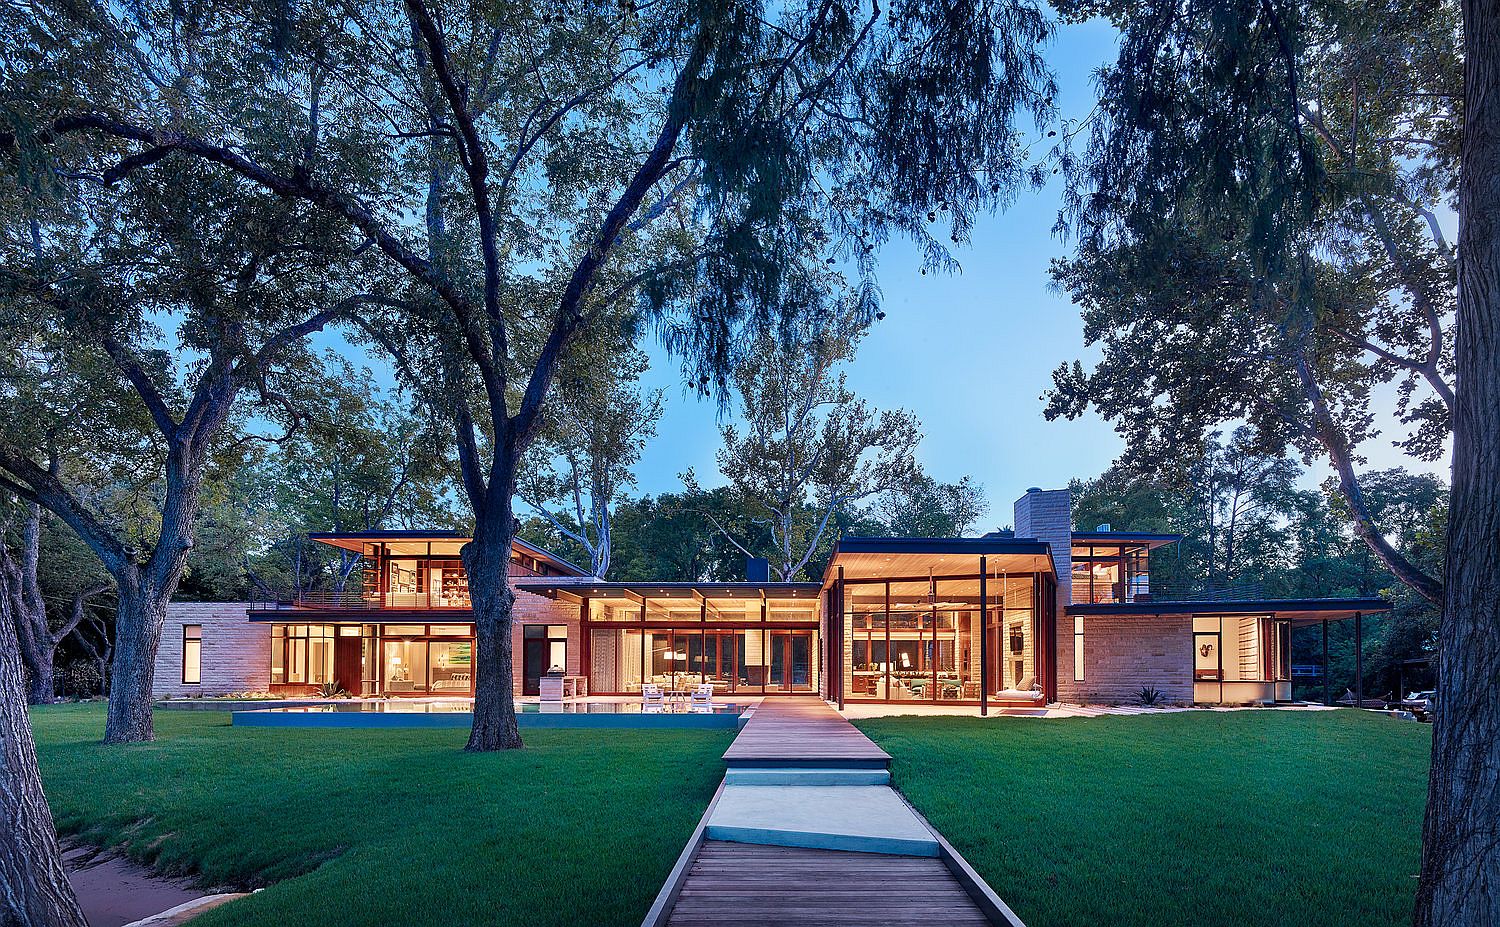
[651, 694]
[702, 696]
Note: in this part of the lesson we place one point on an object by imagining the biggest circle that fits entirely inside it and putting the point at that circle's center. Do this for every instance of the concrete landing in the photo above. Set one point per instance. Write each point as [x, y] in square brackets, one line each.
[805, 776]
[861, 819]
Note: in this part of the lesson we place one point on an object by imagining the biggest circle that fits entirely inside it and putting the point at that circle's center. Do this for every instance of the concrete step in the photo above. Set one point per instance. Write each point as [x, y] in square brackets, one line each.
[854, 818]
[806, 776]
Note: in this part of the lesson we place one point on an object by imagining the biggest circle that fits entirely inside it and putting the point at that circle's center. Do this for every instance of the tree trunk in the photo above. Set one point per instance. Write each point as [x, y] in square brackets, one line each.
[34, 889]
[487, 563]
[138, 623]
[1460, 878]
[18, 576]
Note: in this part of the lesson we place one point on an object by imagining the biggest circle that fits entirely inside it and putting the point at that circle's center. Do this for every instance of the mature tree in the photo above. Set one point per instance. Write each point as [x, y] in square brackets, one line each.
[706, 153]
[592, 437]
[34, 889]
[38, 635]
[671, 537]
[809, 448]
[1256, 214]
[364, 458]
[1460, 879]
[133, 323]
[1240, 498]
[922, 507]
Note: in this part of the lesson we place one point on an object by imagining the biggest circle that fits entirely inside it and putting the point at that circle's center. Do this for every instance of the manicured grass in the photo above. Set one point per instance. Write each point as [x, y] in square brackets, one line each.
[1304, 819]
[388, 826]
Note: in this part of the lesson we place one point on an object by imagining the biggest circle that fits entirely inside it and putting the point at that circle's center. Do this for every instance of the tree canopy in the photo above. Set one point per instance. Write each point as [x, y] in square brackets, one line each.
[1255, 206]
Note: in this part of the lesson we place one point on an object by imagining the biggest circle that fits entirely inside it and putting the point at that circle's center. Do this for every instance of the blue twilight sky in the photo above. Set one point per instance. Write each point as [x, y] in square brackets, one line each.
[969, 353]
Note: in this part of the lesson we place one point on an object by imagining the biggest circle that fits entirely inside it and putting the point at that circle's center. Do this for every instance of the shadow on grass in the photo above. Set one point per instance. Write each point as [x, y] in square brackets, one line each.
[1201, 818]
[388, 826]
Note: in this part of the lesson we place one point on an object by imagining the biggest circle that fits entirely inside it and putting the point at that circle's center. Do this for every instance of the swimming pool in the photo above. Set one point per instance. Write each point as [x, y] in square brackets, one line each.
[398, 713]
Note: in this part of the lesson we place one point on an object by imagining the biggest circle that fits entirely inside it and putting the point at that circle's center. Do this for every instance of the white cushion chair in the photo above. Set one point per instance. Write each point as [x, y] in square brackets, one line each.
[702, 696]
[651, 695]
[1027, 689]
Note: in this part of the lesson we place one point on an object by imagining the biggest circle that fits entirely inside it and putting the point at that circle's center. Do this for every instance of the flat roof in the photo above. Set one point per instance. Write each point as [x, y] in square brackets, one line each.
[872, 559]
[1144, 538]
[355, 540]
[574, 590]
[1299, 610]
[854, 544]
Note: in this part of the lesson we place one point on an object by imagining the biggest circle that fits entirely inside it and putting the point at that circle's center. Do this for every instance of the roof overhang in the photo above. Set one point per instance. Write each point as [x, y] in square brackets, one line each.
[576, 591]
[356, 541]
[879, 559]
[1300, 611]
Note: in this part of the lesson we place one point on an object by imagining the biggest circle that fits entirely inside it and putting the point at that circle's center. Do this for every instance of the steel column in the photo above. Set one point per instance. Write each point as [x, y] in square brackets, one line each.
[984, 637]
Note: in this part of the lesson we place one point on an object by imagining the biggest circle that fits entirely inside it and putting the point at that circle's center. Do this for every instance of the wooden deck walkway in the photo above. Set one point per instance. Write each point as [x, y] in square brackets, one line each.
[801, 732]
[742, 884]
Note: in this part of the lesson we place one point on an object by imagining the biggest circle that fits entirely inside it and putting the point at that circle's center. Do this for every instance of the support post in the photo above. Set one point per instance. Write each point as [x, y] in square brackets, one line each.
[984, 637]
[1327, 692]
[1359, 660]
[839, 636]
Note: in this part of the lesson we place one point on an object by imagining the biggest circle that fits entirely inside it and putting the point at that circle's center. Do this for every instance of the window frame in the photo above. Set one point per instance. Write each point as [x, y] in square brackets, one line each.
[1078, 667]
[197, 654]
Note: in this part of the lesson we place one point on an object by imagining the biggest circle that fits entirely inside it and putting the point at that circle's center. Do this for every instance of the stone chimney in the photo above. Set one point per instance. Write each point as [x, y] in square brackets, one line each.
[1047, 515]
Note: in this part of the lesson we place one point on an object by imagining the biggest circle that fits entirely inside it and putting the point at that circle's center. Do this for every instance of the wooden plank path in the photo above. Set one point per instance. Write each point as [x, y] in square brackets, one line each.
[800, 732]
[742, 884]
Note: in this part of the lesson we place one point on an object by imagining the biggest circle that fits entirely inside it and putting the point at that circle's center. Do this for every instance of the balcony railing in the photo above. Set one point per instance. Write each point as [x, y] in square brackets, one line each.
[1108, 595]
[356, 599]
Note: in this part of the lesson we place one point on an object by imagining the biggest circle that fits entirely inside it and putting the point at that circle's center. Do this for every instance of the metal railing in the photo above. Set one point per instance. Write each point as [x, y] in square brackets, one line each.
[1109, 595]
[356, 599]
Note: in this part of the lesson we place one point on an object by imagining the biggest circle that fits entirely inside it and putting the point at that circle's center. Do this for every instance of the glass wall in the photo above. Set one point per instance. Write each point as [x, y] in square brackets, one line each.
[301, 654]
[921, 640]
[1241, 648]
[1109, 574]
[735, 645]
[396, 659]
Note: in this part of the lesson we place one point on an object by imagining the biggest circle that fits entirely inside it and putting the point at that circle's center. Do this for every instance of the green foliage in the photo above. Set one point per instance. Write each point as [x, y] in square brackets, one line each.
[1256, 218]
[809, 448]
[1177, 817]
[1247, 528]
[921, 507]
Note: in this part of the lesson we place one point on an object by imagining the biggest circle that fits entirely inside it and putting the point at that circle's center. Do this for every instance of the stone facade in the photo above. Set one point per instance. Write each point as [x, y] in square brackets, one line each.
[530, 608]
[1047, 515]
[236, 653]
[1123, 654]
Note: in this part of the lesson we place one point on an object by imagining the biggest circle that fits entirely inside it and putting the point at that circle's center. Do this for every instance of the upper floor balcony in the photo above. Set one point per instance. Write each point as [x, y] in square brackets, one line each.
[415, 571]
[1114, 567]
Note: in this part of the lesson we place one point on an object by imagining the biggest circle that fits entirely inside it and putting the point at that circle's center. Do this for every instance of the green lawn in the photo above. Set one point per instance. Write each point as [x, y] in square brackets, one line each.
[388, 826]
[1257, 817]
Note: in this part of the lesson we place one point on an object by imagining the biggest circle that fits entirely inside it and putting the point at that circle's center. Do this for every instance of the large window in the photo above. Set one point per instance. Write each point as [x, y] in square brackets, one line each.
[1104, 575]
[302, 654]
[192, 654]
[736, 645]
[922, 640]
[1241, 648]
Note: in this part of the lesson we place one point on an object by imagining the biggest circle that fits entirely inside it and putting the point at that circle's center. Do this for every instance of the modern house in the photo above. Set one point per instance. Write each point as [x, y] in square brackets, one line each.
[1044, 615]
